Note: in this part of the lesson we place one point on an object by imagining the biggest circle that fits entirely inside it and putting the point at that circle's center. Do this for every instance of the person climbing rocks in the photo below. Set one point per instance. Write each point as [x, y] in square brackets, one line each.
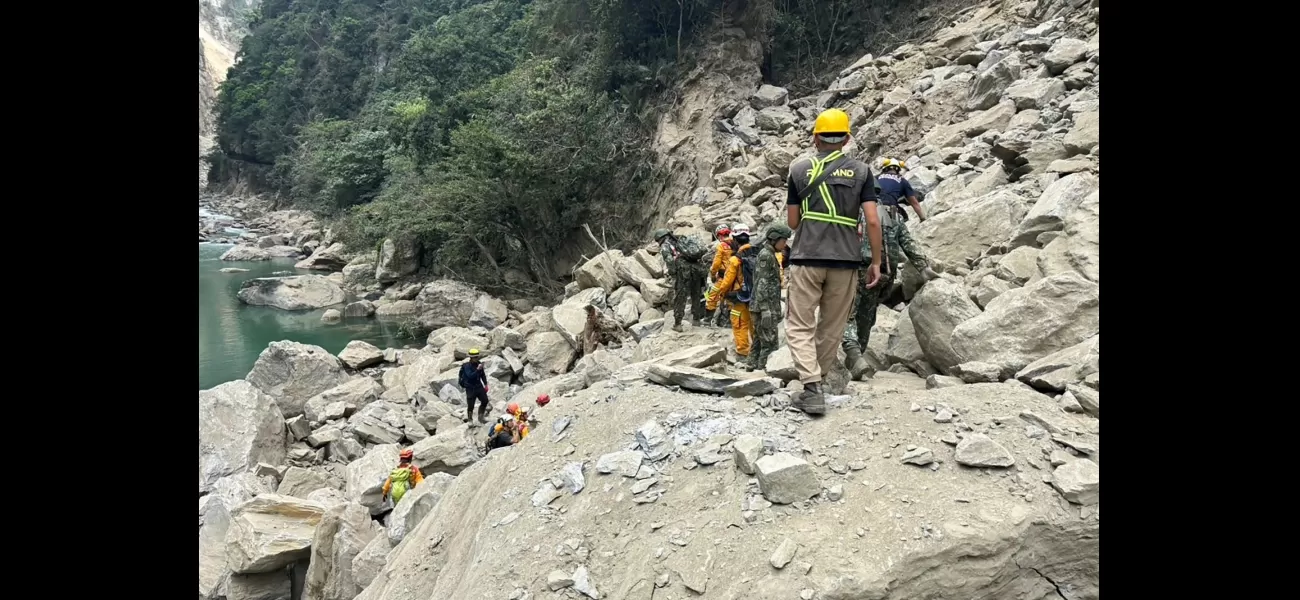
[504, 433]
[765, 308]
[723, 248]
[682, 259]
[523, 423]
[600, 329]
[892, 189]
[826, 194]
[403, 477]
[474, 381]
[736, 290]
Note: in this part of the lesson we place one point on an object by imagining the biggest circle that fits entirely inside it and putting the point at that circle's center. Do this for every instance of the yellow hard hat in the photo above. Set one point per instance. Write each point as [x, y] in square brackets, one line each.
[473, 351]
[831, 121]
[890, 162]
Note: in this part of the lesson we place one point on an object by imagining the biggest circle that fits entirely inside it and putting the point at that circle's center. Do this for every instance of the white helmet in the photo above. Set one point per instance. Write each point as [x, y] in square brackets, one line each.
[740, 228]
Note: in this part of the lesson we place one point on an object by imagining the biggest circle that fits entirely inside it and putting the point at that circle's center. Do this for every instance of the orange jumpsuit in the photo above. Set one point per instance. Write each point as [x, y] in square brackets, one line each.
[720, 258]
[741, 322]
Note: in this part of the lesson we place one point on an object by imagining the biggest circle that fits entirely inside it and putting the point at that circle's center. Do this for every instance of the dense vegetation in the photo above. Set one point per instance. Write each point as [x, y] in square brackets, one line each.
[488, 129]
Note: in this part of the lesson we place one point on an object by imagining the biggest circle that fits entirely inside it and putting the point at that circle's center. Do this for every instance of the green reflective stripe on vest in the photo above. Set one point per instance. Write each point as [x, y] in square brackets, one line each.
[831, 216]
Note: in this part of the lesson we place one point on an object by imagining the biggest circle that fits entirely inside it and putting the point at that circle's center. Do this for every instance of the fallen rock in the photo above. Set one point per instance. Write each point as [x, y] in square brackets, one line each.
[359, 355]
[936, 311]
[935, 382]
[397, 259]
[449, 451]
[698, 357]
[977, 372]
[573, 477]
[245, 253]
[418, 502]
[768, 95]
[646, 328]
[570, 321]
[558, 580]
[276, 585]
[600, 271]
[447, 303]
[1029, 323]
[325, 258]
[357, 392]
[698, 380]
[1065, 52]
[582, 583]
[300, 483]
[784, 478]
[550, 352]
[344, 530]
[780, 364]
[746, 450]
[653, 440]
[1079, 481]
[367, 563]
[752, 387]
[918, 456]
[366, 475]
[625, 463]
[979, 450]
[271, 532]
[239, 427]
[292, 373]
[966, 230]
[1056, 203]
[784, 553]
[1088, 398]
[297, 292]
[1058, 370]
[360, 308]
[1034, 93]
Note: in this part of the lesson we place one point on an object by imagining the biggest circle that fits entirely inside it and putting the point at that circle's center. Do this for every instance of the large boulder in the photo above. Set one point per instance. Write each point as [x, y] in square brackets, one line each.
[1035, 93]
[1059, 370]
[1063, 197]
[326, 258]
[785, 479]
[937, 309]
[416, 504]
[276, 585]
[488, 312]
[570, 320]
[426, 372]
[300, 483]
[1086, 133]
[298, 292]
[366, 476]
[239, 427]
[601, 271]
[987, 88]
[367, 563]
[449, 451]
[903, 346]
[357, 392]
[697, 357]
[447, 303]
[292, 373]
[456, 341]
[214, 518]
[1029, 323]
[652, 263]
[245, 253]
[964, 232]
[768, 95]
[550, 352]
[359, 355]
[344, 531]
[397, 259]
[271, 532]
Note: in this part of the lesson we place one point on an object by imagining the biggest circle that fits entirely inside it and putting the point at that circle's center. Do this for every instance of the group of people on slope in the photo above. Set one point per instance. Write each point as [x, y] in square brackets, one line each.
[827, 255]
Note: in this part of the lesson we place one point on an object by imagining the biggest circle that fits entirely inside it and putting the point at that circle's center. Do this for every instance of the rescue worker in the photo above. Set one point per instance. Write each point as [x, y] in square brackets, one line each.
[892, 188]
[473, 380]
[729, 286]
[520, 418]
[723, 248]
[402, 478]
[682, 259]
[506, 434]
[765, 308]
[826, 194]
[600, 329]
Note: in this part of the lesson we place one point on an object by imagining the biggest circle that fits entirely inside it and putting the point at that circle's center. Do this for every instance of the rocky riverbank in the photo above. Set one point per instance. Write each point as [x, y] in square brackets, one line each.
[967, 466]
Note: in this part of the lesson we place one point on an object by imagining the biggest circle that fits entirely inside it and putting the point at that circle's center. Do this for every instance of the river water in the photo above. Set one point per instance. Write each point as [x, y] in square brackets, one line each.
[232, 335]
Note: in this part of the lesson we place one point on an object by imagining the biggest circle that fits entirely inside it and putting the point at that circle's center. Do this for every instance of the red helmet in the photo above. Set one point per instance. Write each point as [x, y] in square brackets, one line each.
[512, 408]
[406, 454]
[543, 399]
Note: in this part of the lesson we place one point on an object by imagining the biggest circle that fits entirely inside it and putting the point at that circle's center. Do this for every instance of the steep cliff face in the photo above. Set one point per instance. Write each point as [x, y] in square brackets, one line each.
[222, 24]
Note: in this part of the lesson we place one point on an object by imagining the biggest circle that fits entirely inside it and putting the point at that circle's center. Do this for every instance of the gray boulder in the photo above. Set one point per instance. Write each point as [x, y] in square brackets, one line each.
[298, 292]
[271, 532]
[239, 427]
[416, 504]
[344, 530]
[1029, 323]
[397, 259]
[292, 373]
[936, 311]
[688, 378]
[359, 355]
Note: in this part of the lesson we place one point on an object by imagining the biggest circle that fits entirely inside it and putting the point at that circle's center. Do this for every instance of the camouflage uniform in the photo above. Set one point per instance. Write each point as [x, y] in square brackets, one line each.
[688, 281]
[766, 300]
[898, 242]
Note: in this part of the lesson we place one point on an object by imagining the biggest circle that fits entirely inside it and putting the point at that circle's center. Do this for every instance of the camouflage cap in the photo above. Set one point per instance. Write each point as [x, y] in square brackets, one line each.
[660, 234]
[778, 231]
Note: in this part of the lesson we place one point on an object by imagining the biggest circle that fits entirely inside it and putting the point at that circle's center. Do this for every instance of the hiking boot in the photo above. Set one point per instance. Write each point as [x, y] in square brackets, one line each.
[677, 327]
[856, 364]
[482, 416]
[811, 400]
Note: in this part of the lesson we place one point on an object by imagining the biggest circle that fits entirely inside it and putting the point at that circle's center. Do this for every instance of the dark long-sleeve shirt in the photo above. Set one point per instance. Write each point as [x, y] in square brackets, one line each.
[472, 377]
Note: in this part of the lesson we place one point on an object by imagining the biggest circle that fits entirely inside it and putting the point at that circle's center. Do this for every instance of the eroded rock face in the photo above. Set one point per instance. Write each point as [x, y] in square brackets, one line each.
[239, 426]
[415, 505]
[344, 530]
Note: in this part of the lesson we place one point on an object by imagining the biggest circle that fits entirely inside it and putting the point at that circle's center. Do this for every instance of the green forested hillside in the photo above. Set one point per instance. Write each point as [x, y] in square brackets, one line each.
[489, 129]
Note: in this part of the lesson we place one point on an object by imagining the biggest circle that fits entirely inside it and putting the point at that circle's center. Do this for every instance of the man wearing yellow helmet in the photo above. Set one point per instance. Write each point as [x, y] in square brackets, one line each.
[473, 380]
[827, 194]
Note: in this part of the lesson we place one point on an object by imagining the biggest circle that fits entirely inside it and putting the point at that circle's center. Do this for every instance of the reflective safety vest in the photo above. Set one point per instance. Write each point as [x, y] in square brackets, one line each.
[831, 216]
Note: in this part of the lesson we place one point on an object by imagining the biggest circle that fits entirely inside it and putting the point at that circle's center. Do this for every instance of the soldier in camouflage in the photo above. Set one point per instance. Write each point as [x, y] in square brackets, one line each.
[898, 243]
[682, 259]
[766, 304]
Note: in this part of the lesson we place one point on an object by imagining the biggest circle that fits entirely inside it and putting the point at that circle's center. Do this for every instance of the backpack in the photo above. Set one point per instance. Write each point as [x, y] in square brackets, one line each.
[748, 265]
[690, 249]
[401, 479]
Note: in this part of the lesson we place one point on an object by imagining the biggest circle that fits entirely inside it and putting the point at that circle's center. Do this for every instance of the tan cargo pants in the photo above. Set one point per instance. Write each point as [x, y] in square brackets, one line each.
[814, 342]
